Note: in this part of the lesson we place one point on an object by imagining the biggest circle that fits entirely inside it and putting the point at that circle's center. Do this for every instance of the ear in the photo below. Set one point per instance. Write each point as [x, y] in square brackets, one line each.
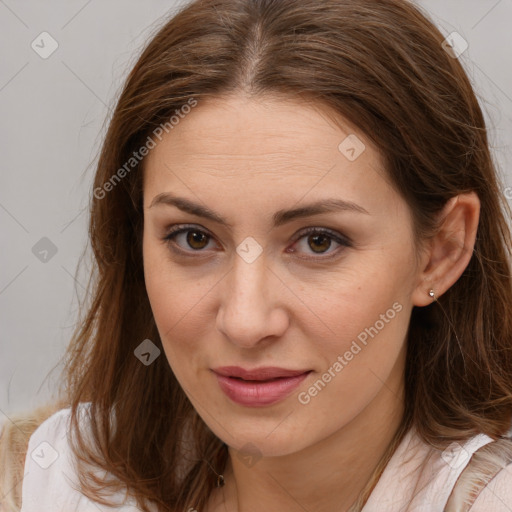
[451, 248]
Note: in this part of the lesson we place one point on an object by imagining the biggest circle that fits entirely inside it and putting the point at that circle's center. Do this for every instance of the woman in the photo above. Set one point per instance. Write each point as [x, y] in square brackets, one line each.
[302, 298]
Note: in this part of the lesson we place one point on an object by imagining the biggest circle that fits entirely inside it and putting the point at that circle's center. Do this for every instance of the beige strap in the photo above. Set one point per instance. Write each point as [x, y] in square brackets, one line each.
[484, 465]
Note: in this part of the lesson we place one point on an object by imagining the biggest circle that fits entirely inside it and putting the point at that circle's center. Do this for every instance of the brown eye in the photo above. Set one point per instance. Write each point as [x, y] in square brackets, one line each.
[319, 243]
[197, 239]
[188, 239]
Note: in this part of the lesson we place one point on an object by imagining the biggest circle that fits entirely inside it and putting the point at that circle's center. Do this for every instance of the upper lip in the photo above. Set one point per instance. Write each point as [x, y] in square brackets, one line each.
[262, 373]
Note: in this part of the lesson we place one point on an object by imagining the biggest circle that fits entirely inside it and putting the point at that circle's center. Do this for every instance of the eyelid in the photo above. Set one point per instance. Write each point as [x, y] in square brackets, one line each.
[321, 230]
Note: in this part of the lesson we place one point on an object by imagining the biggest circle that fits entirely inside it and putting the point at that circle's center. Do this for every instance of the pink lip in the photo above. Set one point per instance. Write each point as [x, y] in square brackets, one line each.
[260, 386]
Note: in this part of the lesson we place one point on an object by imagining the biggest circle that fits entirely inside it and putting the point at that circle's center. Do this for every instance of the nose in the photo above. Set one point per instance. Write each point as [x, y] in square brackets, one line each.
[252, 304]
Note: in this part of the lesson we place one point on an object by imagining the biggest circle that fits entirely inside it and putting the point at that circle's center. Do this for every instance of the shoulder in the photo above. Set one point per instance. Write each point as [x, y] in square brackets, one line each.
[50, 480]
[54, 428]
[496, 496]
[47, 465]
[48, 445]
[420, 478]
[15, 432]
[488, 476]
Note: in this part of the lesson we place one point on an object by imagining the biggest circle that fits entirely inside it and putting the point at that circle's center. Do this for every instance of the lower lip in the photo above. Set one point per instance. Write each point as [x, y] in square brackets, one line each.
[259, 393]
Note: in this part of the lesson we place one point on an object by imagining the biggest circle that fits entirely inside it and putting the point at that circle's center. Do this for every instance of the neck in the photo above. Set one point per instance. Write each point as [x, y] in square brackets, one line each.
[326, 476]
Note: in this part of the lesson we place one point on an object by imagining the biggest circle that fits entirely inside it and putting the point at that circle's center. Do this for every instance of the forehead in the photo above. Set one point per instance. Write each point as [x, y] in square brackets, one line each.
[263, 147]
[239, 126]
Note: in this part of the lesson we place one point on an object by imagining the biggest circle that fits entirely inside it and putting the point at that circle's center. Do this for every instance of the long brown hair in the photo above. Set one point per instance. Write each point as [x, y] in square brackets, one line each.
[379, 64]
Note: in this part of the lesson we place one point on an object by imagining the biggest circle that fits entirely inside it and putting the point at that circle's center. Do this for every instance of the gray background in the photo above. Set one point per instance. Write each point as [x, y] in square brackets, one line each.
[52, 120]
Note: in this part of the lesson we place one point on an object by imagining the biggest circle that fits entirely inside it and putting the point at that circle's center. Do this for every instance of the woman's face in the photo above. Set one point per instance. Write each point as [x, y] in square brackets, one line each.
[259, 277]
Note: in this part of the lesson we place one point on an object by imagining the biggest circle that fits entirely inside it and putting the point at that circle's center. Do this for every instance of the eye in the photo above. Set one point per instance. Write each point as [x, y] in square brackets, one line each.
[187, 238]
[318, 241]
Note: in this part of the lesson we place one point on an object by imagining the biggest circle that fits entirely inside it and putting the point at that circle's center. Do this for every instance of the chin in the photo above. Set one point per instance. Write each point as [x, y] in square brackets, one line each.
[272, 435]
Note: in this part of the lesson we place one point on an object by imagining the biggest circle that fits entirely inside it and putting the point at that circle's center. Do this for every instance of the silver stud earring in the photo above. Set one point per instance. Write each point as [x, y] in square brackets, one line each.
[432, 294]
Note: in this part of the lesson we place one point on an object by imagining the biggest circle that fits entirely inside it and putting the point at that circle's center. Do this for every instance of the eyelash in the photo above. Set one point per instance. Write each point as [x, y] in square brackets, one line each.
[169, 239]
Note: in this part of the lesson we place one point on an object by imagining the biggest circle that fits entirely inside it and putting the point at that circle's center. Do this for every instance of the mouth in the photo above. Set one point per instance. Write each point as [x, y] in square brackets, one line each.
[258, 387]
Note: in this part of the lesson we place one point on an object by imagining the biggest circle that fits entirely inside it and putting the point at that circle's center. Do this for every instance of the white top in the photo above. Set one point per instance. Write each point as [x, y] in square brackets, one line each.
[418, 478]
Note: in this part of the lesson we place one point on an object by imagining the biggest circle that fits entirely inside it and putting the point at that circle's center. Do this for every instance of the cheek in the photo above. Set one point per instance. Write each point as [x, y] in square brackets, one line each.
[179, 302]
[162, 281]
[364, 316]
[361, 355]
[171, 318]
[160, 288]
[366, 341]
[347, 306]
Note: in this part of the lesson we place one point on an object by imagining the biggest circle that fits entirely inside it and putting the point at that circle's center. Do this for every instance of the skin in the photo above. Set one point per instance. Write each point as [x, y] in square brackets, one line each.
[293, 306]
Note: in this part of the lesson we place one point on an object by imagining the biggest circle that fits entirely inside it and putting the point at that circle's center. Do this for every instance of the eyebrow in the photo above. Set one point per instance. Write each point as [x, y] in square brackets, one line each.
[279, 218]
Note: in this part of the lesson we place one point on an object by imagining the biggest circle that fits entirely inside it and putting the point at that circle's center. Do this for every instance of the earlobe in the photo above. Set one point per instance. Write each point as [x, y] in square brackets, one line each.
[450, 249]
[424, 295]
